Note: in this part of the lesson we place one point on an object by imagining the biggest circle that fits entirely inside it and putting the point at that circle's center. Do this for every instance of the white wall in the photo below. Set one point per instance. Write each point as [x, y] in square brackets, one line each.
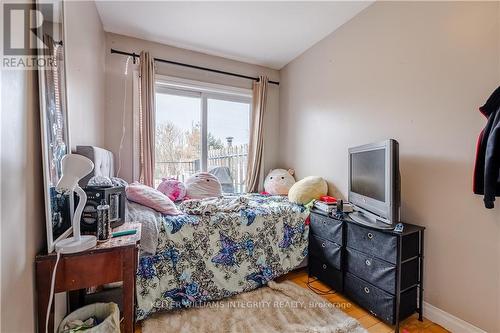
[85, 61]
[22, 205]
[416, 72]
[22, 212]
[115, 90]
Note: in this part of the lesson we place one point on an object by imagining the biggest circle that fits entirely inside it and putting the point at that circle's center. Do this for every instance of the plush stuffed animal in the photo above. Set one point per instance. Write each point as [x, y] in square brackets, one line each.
[279, 181]
[307, 189]
[203, 185]
[172, 188]
[100, 181]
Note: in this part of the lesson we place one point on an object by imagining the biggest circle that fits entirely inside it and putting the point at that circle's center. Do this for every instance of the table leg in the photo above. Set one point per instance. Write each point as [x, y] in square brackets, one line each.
[76, 299]
[421, 279]
[43, 279]
[129, 265]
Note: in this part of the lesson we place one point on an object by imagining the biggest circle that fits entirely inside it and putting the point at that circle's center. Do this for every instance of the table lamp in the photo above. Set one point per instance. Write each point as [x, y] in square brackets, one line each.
[75, 167]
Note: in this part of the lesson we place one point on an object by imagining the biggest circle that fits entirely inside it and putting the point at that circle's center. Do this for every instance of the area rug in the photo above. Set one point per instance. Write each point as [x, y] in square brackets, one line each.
[279, 307]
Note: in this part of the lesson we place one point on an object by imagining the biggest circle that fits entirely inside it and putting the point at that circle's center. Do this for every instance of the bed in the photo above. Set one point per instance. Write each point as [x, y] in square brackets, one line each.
[193, 259]
[190, 259]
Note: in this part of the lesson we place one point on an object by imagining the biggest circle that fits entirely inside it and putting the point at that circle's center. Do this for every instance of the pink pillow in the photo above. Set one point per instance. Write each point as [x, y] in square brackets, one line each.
[172, 188]
[151, 198]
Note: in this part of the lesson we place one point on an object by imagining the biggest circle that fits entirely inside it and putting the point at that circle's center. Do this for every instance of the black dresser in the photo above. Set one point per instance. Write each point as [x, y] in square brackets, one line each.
[381, 270]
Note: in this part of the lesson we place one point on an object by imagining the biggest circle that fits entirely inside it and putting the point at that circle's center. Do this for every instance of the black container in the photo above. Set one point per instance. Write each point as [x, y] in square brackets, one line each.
[103, 225]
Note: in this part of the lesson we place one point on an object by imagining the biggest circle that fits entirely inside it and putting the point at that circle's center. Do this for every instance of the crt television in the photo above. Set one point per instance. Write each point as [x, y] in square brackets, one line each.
[374, 184]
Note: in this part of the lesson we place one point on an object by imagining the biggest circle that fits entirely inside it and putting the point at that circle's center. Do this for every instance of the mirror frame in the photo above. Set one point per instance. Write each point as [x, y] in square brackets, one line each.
[45, 144]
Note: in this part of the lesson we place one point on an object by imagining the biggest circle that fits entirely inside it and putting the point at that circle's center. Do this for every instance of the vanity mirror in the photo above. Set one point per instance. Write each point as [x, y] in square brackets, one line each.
[54, 118]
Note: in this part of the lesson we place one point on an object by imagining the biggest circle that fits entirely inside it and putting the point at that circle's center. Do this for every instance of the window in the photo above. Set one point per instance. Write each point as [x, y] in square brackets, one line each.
[202, 127]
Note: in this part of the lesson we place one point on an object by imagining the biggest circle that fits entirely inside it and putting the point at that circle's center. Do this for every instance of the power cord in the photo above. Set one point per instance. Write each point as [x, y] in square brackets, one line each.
[51, 297]
[318, 291]
[123, 118]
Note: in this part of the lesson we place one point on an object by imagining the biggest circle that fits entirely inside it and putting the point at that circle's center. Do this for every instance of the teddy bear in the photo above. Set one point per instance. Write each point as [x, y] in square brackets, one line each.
[279, 181]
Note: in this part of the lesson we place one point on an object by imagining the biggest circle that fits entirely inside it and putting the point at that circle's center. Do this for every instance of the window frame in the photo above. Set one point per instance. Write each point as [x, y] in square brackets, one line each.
[204, 91]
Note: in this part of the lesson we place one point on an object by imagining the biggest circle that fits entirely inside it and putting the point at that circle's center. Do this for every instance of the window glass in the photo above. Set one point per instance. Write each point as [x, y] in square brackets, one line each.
[178, 136]
[228, 132]
[183, 117]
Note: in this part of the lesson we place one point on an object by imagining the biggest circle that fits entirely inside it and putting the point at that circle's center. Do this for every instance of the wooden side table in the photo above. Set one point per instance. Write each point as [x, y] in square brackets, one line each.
[111, 261]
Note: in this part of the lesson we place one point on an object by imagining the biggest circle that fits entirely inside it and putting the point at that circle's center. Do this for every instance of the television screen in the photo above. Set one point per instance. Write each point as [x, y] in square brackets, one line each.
[368, 174]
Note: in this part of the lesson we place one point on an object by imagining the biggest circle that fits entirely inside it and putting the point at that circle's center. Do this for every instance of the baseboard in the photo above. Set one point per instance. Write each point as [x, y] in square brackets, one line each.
[449, 321]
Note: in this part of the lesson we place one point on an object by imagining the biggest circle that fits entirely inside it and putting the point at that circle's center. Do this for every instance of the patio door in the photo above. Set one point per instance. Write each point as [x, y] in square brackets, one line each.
[202, 128]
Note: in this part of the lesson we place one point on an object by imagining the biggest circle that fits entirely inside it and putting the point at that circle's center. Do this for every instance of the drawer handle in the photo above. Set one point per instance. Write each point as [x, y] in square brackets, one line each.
[324, 266]
[367, 290]
[370, 235]
[368, 262]
[323, 244]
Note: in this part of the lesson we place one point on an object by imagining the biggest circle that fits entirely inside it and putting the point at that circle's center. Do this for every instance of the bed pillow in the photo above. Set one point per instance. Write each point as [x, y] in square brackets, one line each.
[307, 189]
[151, 198]
[172, 188]
[203, 185]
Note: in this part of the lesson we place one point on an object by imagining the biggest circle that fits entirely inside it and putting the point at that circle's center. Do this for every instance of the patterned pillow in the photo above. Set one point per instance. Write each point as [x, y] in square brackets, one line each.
[203, 185]
[172, 188]
[151, 198]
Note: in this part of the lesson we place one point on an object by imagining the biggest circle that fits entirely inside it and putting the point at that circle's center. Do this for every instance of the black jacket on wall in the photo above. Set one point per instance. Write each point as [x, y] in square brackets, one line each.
[487, 168]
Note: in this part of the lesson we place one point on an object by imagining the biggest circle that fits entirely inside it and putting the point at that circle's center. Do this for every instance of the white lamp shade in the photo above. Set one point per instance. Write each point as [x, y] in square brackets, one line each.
[74, 168]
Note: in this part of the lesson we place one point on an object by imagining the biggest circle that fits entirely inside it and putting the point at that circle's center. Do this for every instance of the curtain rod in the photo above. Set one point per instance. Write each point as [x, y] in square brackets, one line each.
[135, 55]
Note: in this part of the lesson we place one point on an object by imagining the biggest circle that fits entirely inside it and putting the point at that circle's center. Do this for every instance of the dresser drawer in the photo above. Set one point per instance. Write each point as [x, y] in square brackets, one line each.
[327, 227]
[375, 300]
[326, 273]
[379, 244]
[378, 272]
[379, 302]
[325, 250]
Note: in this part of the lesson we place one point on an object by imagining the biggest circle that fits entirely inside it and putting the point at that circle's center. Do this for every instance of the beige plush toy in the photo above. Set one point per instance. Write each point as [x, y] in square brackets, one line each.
[307, 189]
[279, 181]
[203, 185]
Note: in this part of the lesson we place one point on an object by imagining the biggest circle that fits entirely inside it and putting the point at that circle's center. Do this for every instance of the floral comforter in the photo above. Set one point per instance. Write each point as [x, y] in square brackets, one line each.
[201, 258]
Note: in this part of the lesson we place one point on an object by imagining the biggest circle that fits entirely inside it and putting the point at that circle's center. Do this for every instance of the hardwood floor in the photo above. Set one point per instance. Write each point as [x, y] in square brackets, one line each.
[371, 323]
[368, 321]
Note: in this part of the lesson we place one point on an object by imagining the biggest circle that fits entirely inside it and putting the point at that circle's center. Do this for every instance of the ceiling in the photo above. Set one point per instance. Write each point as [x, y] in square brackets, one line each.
[270, 34]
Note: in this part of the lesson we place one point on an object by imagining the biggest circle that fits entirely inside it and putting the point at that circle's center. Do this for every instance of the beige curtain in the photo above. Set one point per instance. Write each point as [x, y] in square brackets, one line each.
[256, 145]
[147, 118]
